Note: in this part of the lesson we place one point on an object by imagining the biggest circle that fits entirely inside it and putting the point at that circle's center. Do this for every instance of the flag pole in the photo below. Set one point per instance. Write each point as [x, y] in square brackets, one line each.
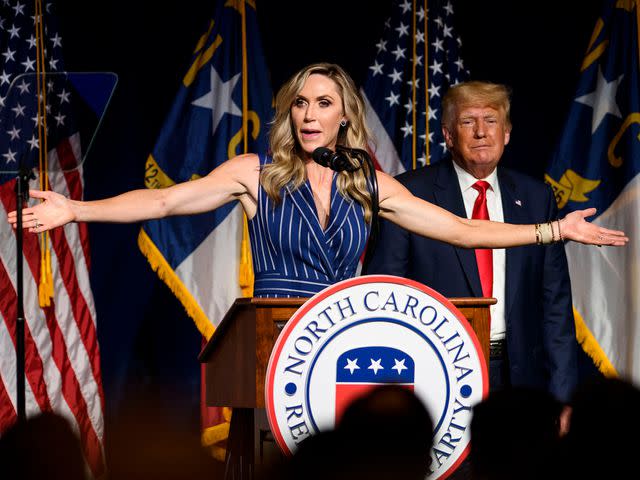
[22, 188]
[245, 266]
[426, 85]
[638, 28]
[414, 129]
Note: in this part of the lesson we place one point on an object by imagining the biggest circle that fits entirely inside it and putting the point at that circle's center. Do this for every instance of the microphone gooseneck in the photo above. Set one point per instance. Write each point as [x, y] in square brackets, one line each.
[352, 159]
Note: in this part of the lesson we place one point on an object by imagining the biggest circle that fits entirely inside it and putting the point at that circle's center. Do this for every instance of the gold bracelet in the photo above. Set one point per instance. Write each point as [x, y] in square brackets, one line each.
[538, 238]
[553, 234]
[560, 231]
[546, 233]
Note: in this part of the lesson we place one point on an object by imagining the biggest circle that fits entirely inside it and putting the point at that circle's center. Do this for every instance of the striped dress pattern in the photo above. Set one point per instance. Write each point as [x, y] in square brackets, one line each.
[292, 255]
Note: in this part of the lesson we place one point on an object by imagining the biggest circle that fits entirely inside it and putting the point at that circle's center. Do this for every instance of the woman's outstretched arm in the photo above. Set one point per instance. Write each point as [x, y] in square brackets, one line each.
[398, 205]
[232, 180]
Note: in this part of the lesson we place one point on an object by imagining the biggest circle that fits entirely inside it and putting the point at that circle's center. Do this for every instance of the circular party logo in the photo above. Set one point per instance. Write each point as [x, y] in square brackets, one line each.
[370, 331]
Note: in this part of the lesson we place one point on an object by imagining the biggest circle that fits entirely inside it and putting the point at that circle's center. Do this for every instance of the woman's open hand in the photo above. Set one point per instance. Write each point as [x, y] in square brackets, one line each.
[53, 212]
[575, 227]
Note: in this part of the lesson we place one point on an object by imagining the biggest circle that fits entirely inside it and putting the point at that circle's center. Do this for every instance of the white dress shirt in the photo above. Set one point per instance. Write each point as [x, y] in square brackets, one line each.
[494, 205]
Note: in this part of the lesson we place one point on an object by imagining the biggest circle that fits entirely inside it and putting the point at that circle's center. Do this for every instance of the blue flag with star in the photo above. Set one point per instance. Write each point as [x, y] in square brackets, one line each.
[596, 164]
[198, 256]
[418, 58]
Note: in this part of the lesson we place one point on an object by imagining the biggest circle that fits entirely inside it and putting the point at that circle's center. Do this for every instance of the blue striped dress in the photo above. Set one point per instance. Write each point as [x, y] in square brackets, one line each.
[292, 255]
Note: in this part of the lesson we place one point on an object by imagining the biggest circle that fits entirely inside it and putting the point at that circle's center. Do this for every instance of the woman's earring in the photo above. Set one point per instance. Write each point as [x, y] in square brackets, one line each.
[343, 123]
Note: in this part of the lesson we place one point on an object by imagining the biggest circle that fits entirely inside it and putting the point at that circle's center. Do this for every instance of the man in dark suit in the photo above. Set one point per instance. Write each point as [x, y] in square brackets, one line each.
[532, 330]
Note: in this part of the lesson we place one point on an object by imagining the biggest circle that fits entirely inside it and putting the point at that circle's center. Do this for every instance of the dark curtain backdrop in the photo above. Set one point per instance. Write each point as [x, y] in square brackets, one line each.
[148, 345]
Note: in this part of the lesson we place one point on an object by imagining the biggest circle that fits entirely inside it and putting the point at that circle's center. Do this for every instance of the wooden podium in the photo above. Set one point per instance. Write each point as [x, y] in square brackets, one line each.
[237, 355]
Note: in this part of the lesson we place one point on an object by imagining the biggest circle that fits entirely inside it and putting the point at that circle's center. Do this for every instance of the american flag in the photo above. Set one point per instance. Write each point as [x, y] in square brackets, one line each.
[62, 362]
[406, 81]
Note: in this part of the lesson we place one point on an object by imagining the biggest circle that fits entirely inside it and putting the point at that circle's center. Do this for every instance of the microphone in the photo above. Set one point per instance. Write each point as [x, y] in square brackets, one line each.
[341, 160]
[338, 161]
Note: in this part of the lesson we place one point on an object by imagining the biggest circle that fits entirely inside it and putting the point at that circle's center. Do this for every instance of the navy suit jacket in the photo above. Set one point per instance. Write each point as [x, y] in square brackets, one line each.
[540, 336]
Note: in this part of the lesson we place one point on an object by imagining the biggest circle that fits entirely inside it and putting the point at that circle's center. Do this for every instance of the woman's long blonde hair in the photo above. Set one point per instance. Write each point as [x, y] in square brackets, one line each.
[288, 167]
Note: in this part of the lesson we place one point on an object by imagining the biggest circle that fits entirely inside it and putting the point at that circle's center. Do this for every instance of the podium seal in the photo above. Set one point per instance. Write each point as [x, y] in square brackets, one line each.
[368, 331]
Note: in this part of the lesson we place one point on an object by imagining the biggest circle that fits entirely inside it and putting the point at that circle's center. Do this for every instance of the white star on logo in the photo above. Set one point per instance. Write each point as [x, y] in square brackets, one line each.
[219, 100]
[399, 366]
[352, 365]
[602, 100]
[375, 366]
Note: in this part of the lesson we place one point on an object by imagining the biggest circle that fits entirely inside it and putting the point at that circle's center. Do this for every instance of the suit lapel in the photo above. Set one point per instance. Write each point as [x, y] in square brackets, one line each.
[447, 194]
[514, 212]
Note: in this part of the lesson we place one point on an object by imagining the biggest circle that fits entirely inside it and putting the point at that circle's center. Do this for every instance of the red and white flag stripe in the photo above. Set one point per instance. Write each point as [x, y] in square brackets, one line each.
[62, 360]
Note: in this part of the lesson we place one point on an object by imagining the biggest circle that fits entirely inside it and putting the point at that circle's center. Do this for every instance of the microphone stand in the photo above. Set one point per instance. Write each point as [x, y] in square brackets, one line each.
[363, 157]
[22, 195]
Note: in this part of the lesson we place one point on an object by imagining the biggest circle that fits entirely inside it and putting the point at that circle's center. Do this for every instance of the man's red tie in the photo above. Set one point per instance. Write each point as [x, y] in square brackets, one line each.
[483, 257]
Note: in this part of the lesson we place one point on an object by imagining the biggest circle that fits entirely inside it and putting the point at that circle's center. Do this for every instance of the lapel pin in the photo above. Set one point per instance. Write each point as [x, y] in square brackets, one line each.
[519, 203]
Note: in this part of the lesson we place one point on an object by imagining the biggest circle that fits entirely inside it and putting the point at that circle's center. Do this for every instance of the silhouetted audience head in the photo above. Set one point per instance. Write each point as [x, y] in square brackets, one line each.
[41, 447]
[515, 435]
[603, 430]
[385, 434]
[145, 444]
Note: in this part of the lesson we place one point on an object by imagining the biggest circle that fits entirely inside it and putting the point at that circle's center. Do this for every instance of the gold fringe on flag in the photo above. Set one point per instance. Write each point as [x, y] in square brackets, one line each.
[246, 264]
[591, 347]
[160, 265]
[246, 276]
